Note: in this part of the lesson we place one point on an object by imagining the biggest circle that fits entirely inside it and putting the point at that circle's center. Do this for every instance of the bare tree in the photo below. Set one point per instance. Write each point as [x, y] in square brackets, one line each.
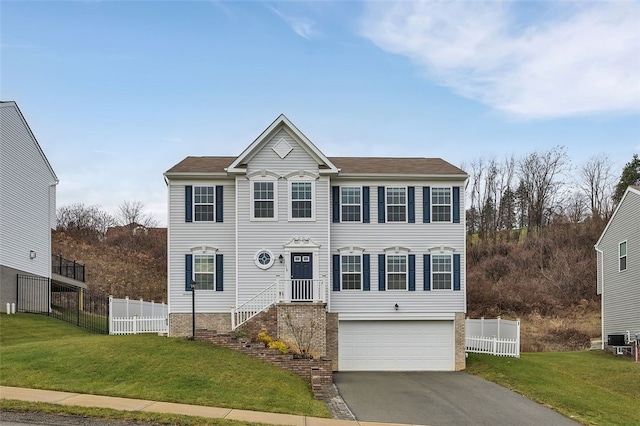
[133, 212]
[576, 207]
[84, 221]
[541, 175]
[596, 181]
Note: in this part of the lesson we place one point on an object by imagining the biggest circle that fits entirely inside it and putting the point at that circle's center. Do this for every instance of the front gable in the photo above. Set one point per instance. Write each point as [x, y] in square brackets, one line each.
[281, 148]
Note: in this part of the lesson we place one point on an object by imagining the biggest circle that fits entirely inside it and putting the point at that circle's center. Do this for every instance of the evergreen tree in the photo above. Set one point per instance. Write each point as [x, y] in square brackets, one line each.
[630, 176]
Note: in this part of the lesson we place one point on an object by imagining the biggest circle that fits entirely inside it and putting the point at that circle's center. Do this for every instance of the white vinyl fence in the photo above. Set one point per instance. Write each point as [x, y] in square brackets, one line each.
[137, 316]
[493, 336]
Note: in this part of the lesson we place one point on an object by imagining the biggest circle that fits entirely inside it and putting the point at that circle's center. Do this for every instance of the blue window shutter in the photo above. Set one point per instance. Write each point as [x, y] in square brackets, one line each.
[336, 272]
[456, 204]
[335, 194]
[411, 196]
[219, 198]
[427, 272]
[188, 271]
[426, 204]
[412, 272]
[365, 204]
[381, 207]
[219, 272]
[381, 273]
[188, 204]
[366, 272]
[456, 272]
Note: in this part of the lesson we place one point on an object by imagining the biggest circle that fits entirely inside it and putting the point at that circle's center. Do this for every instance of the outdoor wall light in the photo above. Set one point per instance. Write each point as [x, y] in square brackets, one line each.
[281, 258]
[32, 254]
[397, 307]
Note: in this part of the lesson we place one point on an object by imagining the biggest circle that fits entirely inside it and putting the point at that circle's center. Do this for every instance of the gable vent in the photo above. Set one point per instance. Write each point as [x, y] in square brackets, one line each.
[282, 148]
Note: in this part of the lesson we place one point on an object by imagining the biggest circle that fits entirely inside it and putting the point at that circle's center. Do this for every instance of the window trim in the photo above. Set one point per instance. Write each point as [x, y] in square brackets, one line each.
[620, 256]
[434, 205]
[396, 251]
[433, 271]
[358, 255]
[387, 204]
[253, 200]
[348, 204]
[302, 177]
[204, 251]
[256, 259]
[193, 203]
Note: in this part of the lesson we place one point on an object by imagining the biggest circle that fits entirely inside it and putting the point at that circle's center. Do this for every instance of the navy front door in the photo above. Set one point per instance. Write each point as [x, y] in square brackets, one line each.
[301, 276]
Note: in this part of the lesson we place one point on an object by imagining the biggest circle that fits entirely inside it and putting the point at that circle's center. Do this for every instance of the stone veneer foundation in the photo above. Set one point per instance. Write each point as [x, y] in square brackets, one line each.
[180, 325]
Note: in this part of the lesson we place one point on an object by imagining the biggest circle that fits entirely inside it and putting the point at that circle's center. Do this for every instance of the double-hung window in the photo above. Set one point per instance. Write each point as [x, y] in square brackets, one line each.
[351, 272]
[204, 271]
[301, 200]
[441, 272]
[264, 199]
[396, 272]
[351, 202]
[396, 204]
[622, 256]
[203, 203]
[441, 204]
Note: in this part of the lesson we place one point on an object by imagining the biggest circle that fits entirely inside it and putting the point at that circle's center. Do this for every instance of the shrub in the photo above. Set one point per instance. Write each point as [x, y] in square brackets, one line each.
[280, 346]
[263, 337]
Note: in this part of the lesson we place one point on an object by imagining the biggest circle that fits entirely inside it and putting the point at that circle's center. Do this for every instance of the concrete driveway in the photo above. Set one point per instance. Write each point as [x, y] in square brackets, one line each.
[439, 399]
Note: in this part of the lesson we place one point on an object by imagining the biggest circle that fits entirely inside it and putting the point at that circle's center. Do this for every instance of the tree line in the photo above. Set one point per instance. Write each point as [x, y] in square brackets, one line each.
[543, 187]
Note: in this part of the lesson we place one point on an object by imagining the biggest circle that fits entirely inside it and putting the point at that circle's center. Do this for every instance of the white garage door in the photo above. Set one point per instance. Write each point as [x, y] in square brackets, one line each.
[396, 346]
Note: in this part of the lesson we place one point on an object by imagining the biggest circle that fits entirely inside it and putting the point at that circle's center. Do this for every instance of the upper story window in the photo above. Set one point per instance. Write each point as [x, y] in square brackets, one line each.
[204, 271]
[203, 203]
[397, 272]
[622, 256]
[351, 203]
[441, 204]
[396, 204]
[351, 271]
[264, 200]
[441, 272]
[301, 200]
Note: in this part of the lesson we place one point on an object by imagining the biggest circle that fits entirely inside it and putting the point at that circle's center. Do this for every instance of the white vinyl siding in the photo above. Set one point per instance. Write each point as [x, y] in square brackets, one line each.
[621, 290]
[267, 159]
[184, 236]
[27, 197]
[376, 237]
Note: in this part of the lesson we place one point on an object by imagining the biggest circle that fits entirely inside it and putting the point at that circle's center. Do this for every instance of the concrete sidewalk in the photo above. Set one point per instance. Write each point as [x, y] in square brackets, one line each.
[127, 404]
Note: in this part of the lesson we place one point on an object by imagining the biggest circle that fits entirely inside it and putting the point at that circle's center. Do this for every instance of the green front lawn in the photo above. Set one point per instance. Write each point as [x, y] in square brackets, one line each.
[594, 388]
[41, 352]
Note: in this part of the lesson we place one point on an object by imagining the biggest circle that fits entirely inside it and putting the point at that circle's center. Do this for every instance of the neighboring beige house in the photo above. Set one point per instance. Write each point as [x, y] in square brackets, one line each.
[367, 252]
[618, 253]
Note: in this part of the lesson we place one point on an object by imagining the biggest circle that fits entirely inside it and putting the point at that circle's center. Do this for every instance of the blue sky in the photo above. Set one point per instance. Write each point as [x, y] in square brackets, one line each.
[117, 92]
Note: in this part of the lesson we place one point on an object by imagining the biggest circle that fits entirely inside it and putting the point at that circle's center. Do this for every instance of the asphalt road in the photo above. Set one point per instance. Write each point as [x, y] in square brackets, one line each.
[439, 399]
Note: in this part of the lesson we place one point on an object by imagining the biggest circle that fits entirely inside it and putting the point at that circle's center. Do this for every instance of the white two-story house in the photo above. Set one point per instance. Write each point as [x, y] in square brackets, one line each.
[367, 254]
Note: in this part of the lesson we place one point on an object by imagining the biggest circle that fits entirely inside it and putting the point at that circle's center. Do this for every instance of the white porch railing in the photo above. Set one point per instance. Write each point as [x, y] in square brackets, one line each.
[295, 290]
[137, 316]
[494, 336]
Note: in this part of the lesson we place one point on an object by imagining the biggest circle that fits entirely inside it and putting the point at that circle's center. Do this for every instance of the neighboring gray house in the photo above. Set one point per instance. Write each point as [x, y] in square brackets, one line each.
[618, 254]
[27, 204]
[368, 252]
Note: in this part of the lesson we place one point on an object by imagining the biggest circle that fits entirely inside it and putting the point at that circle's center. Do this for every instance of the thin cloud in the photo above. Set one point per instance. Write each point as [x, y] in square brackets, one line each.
[584, 60]
[302, 26]
[173, 140]
[103, 152]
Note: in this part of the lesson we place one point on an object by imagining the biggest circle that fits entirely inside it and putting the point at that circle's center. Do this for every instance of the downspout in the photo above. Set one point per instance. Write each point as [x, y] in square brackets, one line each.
[168, 184]
[599, 269]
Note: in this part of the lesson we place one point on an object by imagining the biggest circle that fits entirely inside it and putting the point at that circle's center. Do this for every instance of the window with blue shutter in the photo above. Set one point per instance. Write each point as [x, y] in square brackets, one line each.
[381, 206]
[335, 195]
[336, 272]
[456, 272]
[381, 271]
[412, 272]
[219, 273]
[427, 272]
[366, 272]
[426, 204]
[219, 197]
[365, 204]
[188, 205]
[411, 197]
[456, 204]
[188, 271]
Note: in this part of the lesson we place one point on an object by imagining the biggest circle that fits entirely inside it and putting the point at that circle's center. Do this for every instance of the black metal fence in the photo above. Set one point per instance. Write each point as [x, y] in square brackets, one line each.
[67, 268]
[69, 303]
